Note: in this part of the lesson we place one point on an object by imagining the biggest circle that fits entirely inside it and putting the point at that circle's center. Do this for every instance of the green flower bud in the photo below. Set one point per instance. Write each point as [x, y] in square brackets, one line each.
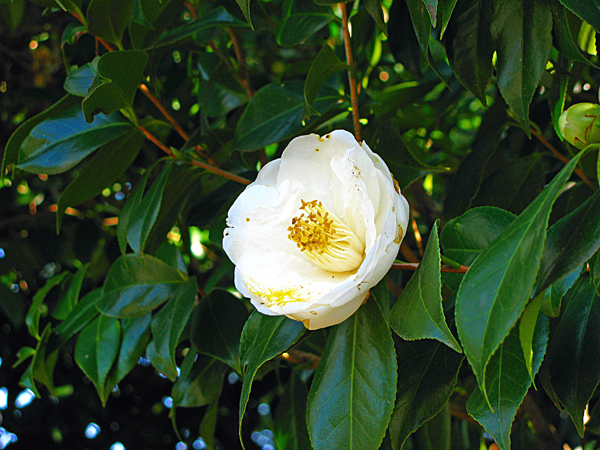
[580, 124]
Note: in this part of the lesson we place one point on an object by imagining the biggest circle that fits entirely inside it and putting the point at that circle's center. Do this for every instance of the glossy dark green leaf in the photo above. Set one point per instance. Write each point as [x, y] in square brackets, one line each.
[427, 373]
[522, 32]
[390, 101]
[563, 35]
[402, 39]
[13, 13]
[469, 45]
[219, 91]
[421, 21]
[218, 16]
[554, 294]
[37, 308]
[263, 338]
[136, 284]
[96, 350]
[470, 174]
[11, 306]
[11, 152]
[445, 12]
[108, 19]
[352, 394]
[325, 64]
[375, 10]
[114, 87]
[58, 143]
[570, 243]
[418, 312]
[507, 383]
[586, 10]
[465, 237]
[167, 326]
[217, 326]
[595, 271]
[502, 278]
[405, 167]
[514, 186]
[42, 365]
[80, 79]
[295, 28]
[200, 381]
[135, 334]
[144, 216]
[159, 14]
[129, 208]
[102, 171]
[527, 328]
[435, 434]
[275, 113]
[80, 316]
[69, 300]
[171, 254]
[573, 366]
[290, 432]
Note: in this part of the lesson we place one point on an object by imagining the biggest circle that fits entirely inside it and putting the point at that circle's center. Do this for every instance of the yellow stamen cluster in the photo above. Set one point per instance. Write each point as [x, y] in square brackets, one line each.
[325, 239]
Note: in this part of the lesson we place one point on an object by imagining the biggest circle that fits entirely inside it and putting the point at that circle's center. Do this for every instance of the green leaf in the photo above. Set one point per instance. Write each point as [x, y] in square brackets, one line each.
[465, 237]
[427, 374]
[296, 28]
[167, 326]
[79, 317]
[352, 394]
[13, 13]
[60, 142]
[325, 64]
[144, 216]
[114, 87]
[96, 350]
[375, 10]
[522, 32]
[200, 381]
[37, 308]
[217, 325]
[570, 243]
[80, 79]
[595, 271]
[418, 312]
[69, 300]
[107, 165]
[555, 293]
[502, 278]
[136, 284]
[445, 11]
[263, 338]
[127, 212]
[514, 186]
[275, 113]
[42, 365]
[573, 366]
[470, 47]
[216, 17]
[405, 167]
[421, 21]
[135, 334]
[562, 32]
[389, 101]
[402, 39]
[586, 10]
[435, 434]
[108, 19]
[507, 384]
[290, 432]
[11, 152]
[527, 327]
[160, 14]
[432, 6]
[245, 7]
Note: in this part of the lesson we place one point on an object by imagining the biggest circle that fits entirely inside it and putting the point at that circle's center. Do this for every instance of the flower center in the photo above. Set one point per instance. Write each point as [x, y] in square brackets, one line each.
[325, 239]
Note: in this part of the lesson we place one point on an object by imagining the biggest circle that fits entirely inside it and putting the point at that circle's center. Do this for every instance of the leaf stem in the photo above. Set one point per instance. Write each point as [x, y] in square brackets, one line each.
[561, 157]
[351, 73]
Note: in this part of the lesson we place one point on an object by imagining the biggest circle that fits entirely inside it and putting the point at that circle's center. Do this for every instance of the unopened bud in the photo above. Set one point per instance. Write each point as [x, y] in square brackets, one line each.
[580, 124]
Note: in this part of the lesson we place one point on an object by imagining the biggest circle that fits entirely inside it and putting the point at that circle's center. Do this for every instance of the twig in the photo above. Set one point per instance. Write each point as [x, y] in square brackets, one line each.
[560, 156]
[351, 74]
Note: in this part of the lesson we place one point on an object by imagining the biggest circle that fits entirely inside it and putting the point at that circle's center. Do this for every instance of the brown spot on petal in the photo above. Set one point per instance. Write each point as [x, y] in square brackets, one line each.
[399, 236]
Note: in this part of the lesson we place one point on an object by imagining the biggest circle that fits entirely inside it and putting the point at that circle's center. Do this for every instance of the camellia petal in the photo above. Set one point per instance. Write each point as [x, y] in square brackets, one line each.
[317, 229]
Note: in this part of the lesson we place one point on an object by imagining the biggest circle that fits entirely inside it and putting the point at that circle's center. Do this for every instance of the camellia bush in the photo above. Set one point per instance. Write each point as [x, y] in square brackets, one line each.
[300, 224]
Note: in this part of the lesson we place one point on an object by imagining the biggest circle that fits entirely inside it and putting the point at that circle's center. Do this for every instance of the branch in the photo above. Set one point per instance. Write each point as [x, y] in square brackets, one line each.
[351, 73]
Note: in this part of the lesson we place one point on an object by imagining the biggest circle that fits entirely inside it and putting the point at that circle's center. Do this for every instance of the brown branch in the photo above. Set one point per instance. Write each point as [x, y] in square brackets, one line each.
[561, 157]
[351, 73]
[443, 267]
[142, 87]
[244, 80]
[213, 169]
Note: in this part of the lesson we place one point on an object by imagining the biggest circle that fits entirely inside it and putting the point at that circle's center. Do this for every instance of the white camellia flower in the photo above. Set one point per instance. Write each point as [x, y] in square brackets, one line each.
[317, 229]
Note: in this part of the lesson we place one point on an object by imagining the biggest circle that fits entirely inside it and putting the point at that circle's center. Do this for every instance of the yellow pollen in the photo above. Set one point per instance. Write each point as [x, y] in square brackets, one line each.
[323, 237]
